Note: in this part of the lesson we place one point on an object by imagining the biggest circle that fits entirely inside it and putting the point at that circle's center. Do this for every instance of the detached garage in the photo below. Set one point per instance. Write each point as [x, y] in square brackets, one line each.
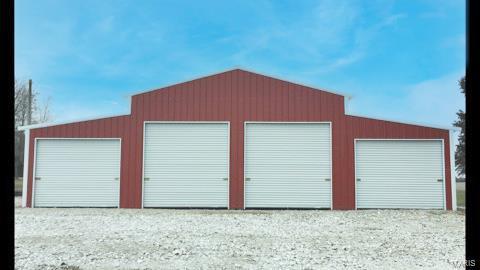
[239, 140]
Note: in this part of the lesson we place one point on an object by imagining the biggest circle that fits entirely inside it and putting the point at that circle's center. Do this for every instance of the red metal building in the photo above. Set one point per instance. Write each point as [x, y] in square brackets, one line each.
[239, 98]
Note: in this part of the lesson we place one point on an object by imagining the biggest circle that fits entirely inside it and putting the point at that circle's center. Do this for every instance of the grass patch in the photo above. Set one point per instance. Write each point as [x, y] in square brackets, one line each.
[461, 198]
[18, 184]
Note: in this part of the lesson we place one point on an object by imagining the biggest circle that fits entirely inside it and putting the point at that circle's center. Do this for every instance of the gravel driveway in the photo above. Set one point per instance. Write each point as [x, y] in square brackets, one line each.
[218, 239]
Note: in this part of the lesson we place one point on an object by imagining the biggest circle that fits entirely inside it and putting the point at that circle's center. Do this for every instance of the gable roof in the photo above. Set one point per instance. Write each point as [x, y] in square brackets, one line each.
[248, 71]
[346, 96]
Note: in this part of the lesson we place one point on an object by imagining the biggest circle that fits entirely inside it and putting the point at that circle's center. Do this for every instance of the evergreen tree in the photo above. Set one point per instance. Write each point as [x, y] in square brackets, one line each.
[460, 151]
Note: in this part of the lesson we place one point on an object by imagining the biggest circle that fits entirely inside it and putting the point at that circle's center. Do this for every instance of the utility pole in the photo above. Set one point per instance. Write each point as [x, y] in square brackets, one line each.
[29, 115]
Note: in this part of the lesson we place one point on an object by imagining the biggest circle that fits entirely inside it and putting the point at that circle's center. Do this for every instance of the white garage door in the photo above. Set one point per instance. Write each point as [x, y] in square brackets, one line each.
[399, 174]
[288, 165]
[186, 165]
[77, 173]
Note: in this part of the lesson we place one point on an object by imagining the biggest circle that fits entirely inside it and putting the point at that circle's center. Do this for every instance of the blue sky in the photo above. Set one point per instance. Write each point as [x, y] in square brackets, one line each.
[399, 59]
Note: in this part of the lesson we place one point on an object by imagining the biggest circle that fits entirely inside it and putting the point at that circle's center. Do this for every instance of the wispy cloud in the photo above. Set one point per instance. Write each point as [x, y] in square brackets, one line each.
[321, 30]
[332, 35]
[89, 56]
[362, 38]
[433, 101]
[436, 100]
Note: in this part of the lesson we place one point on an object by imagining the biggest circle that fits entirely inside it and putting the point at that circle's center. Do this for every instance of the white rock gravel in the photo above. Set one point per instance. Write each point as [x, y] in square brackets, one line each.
[221, 239]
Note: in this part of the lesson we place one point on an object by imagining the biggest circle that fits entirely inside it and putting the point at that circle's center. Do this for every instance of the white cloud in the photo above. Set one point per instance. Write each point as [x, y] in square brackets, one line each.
[436, 100]
[433, 101]
[430, 102]
[332, 35]
[312, 36]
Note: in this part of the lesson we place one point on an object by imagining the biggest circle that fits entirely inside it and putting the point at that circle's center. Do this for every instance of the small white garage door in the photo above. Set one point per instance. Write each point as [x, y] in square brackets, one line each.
[399, 174]
[186, 165]
[288, 165]
[77, 173]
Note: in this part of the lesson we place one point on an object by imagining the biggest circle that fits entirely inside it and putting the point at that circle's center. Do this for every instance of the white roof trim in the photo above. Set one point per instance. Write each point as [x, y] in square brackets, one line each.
[42, 125]
[406, 122]
[347, 97]
[247, 70]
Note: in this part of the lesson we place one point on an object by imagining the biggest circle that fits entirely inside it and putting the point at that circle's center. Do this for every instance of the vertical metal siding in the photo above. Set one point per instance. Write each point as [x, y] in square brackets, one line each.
[238, 96]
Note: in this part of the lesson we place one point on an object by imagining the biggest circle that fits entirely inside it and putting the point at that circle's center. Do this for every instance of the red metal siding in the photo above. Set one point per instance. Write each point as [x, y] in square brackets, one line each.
[237, 96]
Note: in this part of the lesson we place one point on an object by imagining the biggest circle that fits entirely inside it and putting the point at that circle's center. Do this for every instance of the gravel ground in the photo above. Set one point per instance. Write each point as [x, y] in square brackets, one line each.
[220, 239]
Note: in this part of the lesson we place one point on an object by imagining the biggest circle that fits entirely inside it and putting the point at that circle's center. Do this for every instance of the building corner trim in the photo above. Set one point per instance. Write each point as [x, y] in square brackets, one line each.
[452, 170]
[26, 151]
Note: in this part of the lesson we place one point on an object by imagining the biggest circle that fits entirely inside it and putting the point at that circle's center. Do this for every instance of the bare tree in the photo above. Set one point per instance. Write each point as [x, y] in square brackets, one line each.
[21, 103]
[40, 114]
[43, 112]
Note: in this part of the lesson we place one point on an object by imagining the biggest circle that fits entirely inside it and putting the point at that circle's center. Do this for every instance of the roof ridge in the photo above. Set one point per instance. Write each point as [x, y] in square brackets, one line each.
[248, 71]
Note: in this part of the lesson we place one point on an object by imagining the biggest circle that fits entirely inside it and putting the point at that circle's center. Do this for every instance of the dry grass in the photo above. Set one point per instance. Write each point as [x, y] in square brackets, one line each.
[461, 198]
[18, 184]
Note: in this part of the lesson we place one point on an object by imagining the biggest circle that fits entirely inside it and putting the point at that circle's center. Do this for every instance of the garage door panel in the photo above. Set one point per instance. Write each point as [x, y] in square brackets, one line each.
[185, 164]
[287, 164]
[399, 174]
[77, 173]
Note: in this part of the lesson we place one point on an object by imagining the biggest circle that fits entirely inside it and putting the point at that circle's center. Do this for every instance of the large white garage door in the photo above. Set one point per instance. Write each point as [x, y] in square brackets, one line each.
[288, 165]
[399, 174]
[186, 165]
[77, 173]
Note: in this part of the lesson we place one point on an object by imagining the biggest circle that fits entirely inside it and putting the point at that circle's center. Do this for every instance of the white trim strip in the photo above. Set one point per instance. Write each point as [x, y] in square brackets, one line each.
[32, 201]
[452, 174]
[246, 70]
[355, 170]
[444, 182]
[403, 122]
[299, 83]
[347, 98]
[42, 125]
[143, 162]
[26, 152]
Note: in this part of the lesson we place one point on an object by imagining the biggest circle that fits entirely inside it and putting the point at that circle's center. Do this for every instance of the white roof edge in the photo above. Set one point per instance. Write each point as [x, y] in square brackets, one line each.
[42, 125]
[179, 82]
[406, 122]
[248, 70]
[299, 83]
